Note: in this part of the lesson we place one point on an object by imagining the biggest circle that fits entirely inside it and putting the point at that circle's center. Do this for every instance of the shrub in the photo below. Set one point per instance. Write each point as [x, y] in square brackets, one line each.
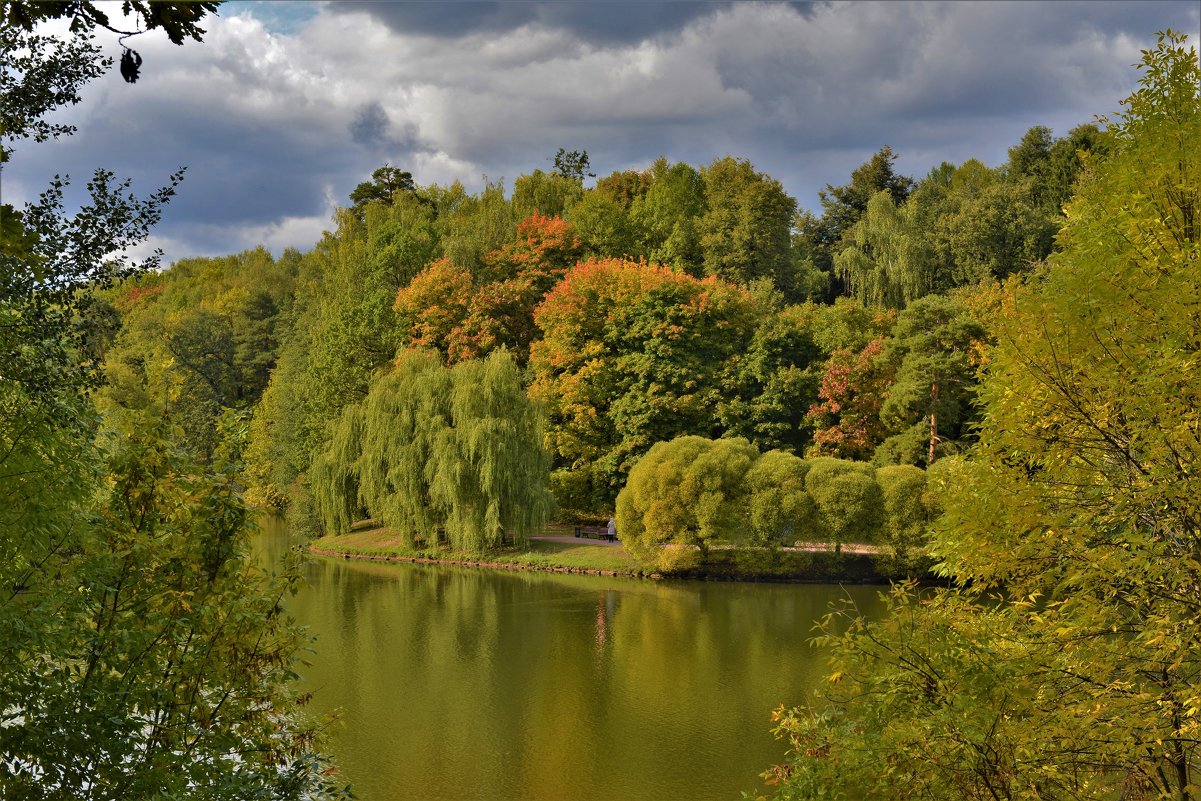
[689, 491]
[849, 503]
[779, 509]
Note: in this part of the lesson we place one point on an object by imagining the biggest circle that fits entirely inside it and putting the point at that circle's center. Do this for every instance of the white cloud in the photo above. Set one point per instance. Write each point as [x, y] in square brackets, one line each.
[264, 119]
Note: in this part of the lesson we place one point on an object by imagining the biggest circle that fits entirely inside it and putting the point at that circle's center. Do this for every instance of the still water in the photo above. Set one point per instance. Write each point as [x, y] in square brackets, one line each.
[463, 683]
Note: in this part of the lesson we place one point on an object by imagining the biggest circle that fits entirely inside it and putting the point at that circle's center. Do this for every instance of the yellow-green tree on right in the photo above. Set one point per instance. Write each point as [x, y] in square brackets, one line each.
[1082, 502]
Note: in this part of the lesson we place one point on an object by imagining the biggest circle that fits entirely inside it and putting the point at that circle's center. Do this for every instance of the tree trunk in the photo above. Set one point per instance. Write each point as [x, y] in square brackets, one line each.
[933, 420]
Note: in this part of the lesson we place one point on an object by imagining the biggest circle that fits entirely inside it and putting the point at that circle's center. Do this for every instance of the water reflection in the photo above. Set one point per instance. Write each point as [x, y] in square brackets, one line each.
[459, 683]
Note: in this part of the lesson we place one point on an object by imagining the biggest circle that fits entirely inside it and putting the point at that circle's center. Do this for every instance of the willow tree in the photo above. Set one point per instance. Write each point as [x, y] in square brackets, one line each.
[779, 509]
[487, 470]
[440, 450]
[334, 473]
[1082, 680]
[404, 417]
[888, 261]
[687, 492]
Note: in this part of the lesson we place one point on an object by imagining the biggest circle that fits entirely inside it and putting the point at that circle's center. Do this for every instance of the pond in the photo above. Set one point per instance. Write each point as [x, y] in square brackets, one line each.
[465, 683]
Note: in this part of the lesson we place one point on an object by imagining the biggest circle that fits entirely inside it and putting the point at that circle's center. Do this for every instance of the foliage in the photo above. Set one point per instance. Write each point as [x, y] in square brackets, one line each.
[195, 341]
[667, 213]
[929, 401]
[1082, 680]
[907, 517]
[435, 448]
[141, 655]
[774, 381]
[850, 505]
[334, 473]
[165, 668]
[550, 194]
[687, 492]
[888, 260]
[386, 182]
[779, 509]
[631, 354]
[445, 308]
[177, 20]
[41, 74]
[745, 232]
[853, 386]
[573, 164]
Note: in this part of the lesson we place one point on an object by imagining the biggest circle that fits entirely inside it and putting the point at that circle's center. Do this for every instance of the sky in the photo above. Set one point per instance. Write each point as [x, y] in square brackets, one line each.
[286, 106]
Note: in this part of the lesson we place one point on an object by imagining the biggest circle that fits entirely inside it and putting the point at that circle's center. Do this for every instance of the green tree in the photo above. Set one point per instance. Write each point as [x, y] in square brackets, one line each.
[888, 260]
[850, 505]
[774, 381]
[668, 213]
[140, 653]
[1080, 679]
[780, 510]
[842, 206]
[687, 493]
[387, 182]
[929, 402]
[573, 164]
[907, 517]
[631, 355]
[550, 194]
[456, 450]
[746, 230]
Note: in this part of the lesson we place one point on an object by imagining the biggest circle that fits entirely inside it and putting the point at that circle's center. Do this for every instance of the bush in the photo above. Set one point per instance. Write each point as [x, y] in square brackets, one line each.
[689, 492]
[849, 503]
[780, 510]
[907, 519]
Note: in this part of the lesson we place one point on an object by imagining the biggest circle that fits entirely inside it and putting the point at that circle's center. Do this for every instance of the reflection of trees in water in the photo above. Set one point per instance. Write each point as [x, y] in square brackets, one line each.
[544, 685]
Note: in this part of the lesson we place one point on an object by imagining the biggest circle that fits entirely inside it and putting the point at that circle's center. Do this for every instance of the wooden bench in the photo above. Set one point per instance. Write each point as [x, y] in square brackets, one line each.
[595, 533]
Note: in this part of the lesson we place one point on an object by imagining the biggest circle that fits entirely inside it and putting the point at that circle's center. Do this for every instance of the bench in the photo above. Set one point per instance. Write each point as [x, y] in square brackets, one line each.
[595, 532]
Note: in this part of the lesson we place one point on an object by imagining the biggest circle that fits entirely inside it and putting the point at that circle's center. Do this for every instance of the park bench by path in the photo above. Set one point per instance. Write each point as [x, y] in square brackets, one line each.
[595, 532]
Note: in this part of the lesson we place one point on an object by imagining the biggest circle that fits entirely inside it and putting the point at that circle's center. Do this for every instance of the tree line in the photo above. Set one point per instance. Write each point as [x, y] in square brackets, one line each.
[657, 303]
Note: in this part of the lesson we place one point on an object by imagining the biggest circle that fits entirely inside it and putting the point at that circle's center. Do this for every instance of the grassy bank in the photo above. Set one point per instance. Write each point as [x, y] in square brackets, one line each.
[589, 556]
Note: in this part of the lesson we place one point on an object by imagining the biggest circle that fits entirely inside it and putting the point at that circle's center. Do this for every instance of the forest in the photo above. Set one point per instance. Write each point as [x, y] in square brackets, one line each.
[668, 302]
[992, 370]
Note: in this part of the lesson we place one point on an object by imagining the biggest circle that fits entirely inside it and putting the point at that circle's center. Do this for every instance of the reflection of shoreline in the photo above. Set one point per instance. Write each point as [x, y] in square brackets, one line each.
[517, 566]
[851, 568]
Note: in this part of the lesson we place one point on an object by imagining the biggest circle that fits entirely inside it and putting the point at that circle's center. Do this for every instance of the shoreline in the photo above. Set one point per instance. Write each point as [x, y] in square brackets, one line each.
[816, 568]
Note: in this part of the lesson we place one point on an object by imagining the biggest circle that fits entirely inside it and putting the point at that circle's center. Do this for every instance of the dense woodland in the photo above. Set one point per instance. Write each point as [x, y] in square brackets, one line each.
[666, 302]
[993, 369]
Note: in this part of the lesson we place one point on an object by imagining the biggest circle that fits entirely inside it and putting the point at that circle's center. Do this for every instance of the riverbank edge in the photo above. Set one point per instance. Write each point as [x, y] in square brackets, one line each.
[834, 568]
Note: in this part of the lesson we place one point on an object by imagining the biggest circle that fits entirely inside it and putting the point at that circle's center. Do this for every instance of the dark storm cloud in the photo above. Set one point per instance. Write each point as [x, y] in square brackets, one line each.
[278, 129]
[595, 22]
[370, 125]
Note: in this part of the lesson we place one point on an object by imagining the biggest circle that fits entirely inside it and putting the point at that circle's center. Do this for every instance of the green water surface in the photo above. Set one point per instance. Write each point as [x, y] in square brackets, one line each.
[464, 683]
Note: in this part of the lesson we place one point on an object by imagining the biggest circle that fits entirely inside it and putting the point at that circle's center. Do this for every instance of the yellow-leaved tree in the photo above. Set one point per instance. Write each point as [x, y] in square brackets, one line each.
[1066, 663]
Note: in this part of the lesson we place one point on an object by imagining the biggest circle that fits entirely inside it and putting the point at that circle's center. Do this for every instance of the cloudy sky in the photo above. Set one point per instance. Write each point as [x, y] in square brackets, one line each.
[287, 105]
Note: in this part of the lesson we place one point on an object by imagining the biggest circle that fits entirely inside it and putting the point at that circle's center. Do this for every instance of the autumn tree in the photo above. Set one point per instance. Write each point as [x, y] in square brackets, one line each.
[846, 419]
[631, 354]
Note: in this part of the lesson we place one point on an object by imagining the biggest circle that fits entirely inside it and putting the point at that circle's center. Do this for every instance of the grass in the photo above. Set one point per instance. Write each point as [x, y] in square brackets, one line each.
[367, 540]
[585, 556]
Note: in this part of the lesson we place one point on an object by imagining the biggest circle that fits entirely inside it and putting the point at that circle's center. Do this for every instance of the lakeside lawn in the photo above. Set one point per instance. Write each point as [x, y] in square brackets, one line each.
[368, 541]
[586, 555]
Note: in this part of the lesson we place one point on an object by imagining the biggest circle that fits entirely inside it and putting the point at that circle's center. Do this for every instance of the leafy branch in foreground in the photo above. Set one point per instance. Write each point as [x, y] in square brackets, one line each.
[1082, 679]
